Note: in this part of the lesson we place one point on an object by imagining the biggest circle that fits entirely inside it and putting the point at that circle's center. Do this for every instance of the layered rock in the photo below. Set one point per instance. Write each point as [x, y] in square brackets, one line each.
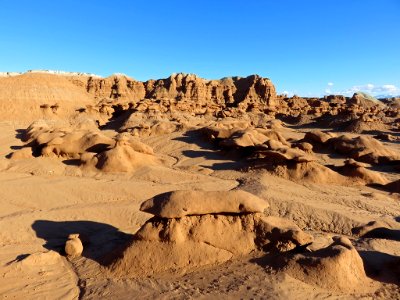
[117, 87]
[35, 95]
[234, 91]
[52, 94]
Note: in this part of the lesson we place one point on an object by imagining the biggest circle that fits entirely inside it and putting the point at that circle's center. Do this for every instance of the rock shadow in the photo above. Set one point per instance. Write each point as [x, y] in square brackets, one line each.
[198, 138]
[383, 233]
[97, 238]
[381, 266]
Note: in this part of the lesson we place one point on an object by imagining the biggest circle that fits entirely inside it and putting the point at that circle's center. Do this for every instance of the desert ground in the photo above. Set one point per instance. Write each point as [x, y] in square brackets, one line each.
[112, 188]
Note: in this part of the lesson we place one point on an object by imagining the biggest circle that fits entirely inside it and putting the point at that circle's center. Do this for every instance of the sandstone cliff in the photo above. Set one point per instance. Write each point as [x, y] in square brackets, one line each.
[227, 91]
[50, 95]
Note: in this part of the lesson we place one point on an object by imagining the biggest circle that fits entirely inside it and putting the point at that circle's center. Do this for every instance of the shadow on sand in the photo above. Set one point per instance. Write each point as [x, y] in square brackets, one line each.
[97, 238]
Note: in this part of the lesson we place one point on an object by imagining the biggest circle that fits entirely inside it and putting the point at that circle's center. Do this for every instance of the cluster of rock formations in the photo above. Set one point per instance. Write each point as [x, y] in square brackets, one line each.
[268, 148]
[87, 145]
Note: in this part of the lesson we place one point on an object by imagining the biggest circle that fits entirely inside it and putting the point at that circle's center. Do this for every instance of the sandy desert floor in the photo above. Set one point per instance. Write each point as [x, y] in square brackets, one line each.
[43, 200]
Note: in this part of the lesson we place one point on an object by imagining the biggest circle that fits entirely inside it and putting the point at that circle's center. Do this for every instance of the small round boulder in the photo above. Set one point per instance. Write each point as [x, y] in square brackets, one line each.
[73, 247]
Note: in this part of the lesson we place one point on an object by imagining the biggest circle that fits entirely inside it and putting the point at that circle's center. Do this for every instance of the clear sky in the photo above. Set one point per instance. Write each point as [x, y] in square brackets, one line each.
[308, 47]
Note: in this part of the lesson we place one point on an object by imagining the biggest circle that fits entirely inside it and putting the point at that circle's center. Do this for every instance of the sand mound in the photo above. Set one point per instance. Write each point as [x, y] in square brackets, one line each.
[183, 203]
[336, 267]
[187, 242]
[224, 130]
[362, 125]
[244, 138]
[310, 172]
[126, 156]
[364, 148]
[280, 234]
[40, 275]
[139, 124]
[293, 164]
[23, 153]
[358, 171]
[41, 258]
[317, 136]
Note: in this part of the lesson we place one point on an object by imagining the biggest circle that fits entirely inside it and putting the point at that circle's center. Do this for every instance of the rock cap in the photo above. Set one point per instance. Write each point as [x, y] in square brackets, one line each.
[177, 204]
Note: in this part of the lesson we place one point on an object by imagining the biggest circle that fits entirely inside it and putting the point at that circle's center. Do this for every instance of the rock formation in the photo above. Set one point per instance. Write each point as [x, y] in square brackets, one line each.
[185, 203]
[73, 246]
[195, 228]
[336, 267]
[364, 149]
[127, 155]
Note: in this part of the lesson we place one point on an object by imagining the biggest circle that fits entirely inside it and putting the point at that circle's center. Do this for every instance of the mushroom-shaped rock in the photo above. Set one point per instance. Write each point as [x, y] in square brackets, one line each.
[163, 244]
[73, 247]
[177, 204]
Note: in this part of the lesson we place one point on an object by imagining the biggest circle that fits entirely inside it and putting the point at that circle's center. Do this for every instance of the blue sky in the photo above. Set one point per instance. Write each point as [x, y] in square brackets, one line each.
[306, 47]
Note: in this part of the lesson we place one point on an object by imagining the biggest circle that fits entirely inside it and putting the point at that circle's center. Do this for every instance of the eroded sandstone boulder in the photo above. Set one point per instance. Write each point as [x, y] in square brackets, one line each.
[183, 203]
[73, 246]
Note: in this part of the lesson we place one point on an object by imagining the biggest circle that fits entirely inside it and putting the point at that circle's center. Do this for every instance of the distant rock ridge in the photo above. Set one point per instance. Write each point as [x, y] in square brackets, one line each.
[180, 86]
[227, 91]
[57, 94]
[68, 92]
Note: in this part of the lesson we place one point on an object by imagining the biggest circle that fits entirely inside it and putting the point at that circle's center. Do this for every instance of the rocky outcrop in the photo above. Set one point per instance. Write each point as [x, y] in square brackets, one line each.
[116, 87]
[53, 94]
[364, 100]
[233, 91]
[249, 92]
